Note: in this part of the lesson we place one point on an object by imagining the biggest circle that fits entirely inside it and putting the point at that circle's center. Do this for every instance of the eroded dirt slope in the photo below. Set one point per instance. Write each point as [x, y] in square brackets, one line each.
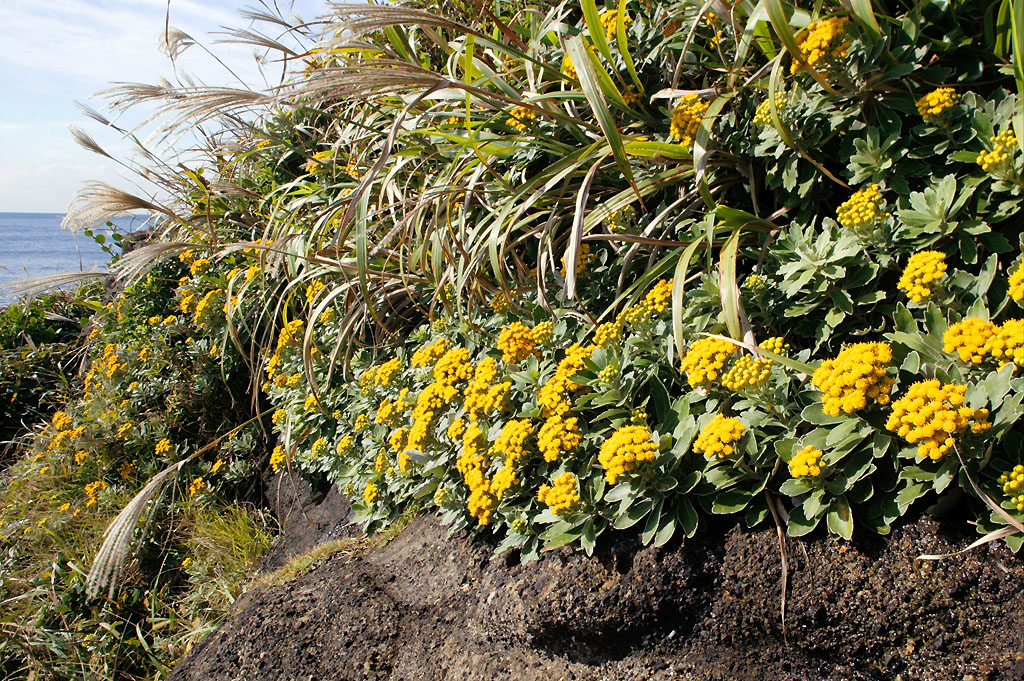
[426, 607]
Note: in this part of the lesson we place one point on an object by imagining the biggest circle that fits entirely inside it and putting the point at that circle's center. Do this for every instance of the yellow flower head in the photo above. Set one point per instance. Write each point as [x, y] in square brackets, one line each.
[516, 343]
[806, 463]
[558, 436]
[763, 114]
[999, 160]
[747, 372]
[607, 333]
[609, 22]
[520, 117]
[863, 209]
[583, 258]
[823, 43]
[1013, 486]
[931, 414]
[922, 270]
[369, 493]
[627, 447]
[686, 118]
[1016, 282]
[857, 375]
[718, 437]
[543, 332]
[277, 458]
[428, 354]
[562, 495]
[704, 362]
[936, 103]
[386, 371]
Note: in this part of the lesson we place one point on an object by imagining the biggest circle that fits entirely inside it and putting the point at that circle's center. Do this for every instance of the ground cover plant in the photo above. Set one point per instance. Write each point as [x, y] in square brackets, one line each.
[556, 271]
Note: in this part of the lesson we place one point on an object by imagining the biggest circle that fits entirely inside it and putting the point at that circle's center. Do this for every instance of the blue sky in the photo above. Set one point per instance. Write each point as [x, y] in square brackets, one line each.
[57, 52]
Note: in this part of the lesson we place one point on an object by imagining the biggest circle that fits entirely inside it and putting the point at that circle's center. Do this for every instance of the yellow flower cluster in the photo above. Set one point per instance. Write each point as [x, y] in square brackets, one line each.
[196, 486]
[607, 333]
[655, 302]
[187, 255]
[686, 118]
[931, 413]
[553, 395]
[520, 117]
[91, 490]
[747, 372]
[344, 445]
[207, 307]
[823, 43]
[430, 400]
[313, 290]
[500, 303]
[763, 114]
[806, 462]
[621, 220]
[630, 95]
[370, 493]
[471, 463]
[974, 340]
[453, 367]
[609, 22]
[1013, 486]
[397, 439]
[856, 375]
[558, 436]
[456, 429]
[1017, 282]
[388, 411]
[512, 443]
[163, 447]
[862, 209]
[362, 421]
[516, 343]
[937, 102]
[568, 68]
[199, 266]
[561, 496]
[583, 258]
[428, 354]
[386, 371]
[1004, 147]
[923, 268]
[608, 374]
[61, 421]
[543, 332]
[277, 458]
[717, 438]
[483, 394]
[705, 360]
[627, 447]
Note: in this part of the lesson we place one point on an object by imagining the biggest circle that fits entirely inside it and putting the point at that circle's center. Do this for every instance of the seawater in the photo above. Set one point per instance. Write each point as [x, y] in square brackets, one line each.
[34, 245]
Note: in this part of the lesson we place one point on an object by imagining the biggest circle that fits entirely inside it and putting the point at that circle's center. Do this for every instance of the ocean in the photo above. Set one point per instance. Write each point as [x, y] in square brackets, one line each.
[34, 245]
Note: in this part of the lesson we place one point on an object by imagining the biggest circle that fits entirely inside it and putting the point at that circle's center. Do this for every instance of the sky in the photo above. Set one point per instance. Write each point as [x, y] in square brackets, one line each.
[57, 52]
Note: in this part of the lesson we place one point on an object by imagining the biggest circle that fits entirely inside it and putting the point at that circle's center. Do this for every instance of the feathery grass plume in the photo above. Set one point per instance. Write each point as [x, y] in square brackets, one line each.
[30, 287]
[99, 201]
[113, 553]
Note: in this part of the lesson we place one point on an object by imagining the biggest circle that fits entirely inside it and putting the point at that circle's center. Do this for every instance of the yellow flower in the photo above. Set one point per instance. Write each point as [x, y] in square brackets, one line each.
[558, 436]
[1013, 486]
[277, 457]
[607, 333]
[921, 271]
[937, 102]
[313, 290]
[863, 209]
[562, 495]
[543, 332]
[806, 463]
[704, 362]
[428, 354]
[81, 456]
[999, 160]
[484, 394]
[970, 339]
[630, 95]
[386, 371]
[516, 343]
[931, 414]
[63, 508]
[124, 430]
[1016, 282]
[500, 303]
[61, 421]
[311, 404]
[362, 421]
[199, 266]
[857, 374]
[583, 258]
[344, 445]
[127, 469]
[369, 493]
[552, 396]
[217, 465]
[609, 22]
[747, 372]
[187, 255]
[717, 438]
[763, 114]
[627, 447]
[94, 488]
[568, 68]
[520, 117]
[686, 118]
[823, 43]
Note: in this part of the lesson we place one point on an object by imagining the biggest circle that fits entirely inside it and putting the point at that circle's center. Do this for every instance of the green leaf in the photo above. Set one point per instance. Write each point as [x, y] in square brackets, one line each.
[731, 501]
[595, 29]
[840, 518]
[687, 517]
[633, 514]
[799, 524]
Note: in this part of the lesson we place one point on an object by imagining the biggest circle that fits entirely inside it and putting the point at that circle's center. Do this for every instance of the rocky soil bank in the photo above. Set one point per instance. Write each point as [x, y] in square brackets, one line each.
[428, 607]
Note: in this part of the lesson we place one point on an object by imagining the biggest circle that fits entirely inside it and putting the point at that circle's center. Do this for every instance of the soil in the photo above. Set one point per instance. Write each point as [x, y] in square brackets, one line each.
[429, 607]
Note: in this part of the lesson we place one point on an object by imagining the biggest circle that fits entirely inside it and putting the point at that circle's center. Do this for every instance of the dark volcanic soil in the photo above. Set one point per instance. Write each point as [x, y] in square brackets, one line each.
[426, 607]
